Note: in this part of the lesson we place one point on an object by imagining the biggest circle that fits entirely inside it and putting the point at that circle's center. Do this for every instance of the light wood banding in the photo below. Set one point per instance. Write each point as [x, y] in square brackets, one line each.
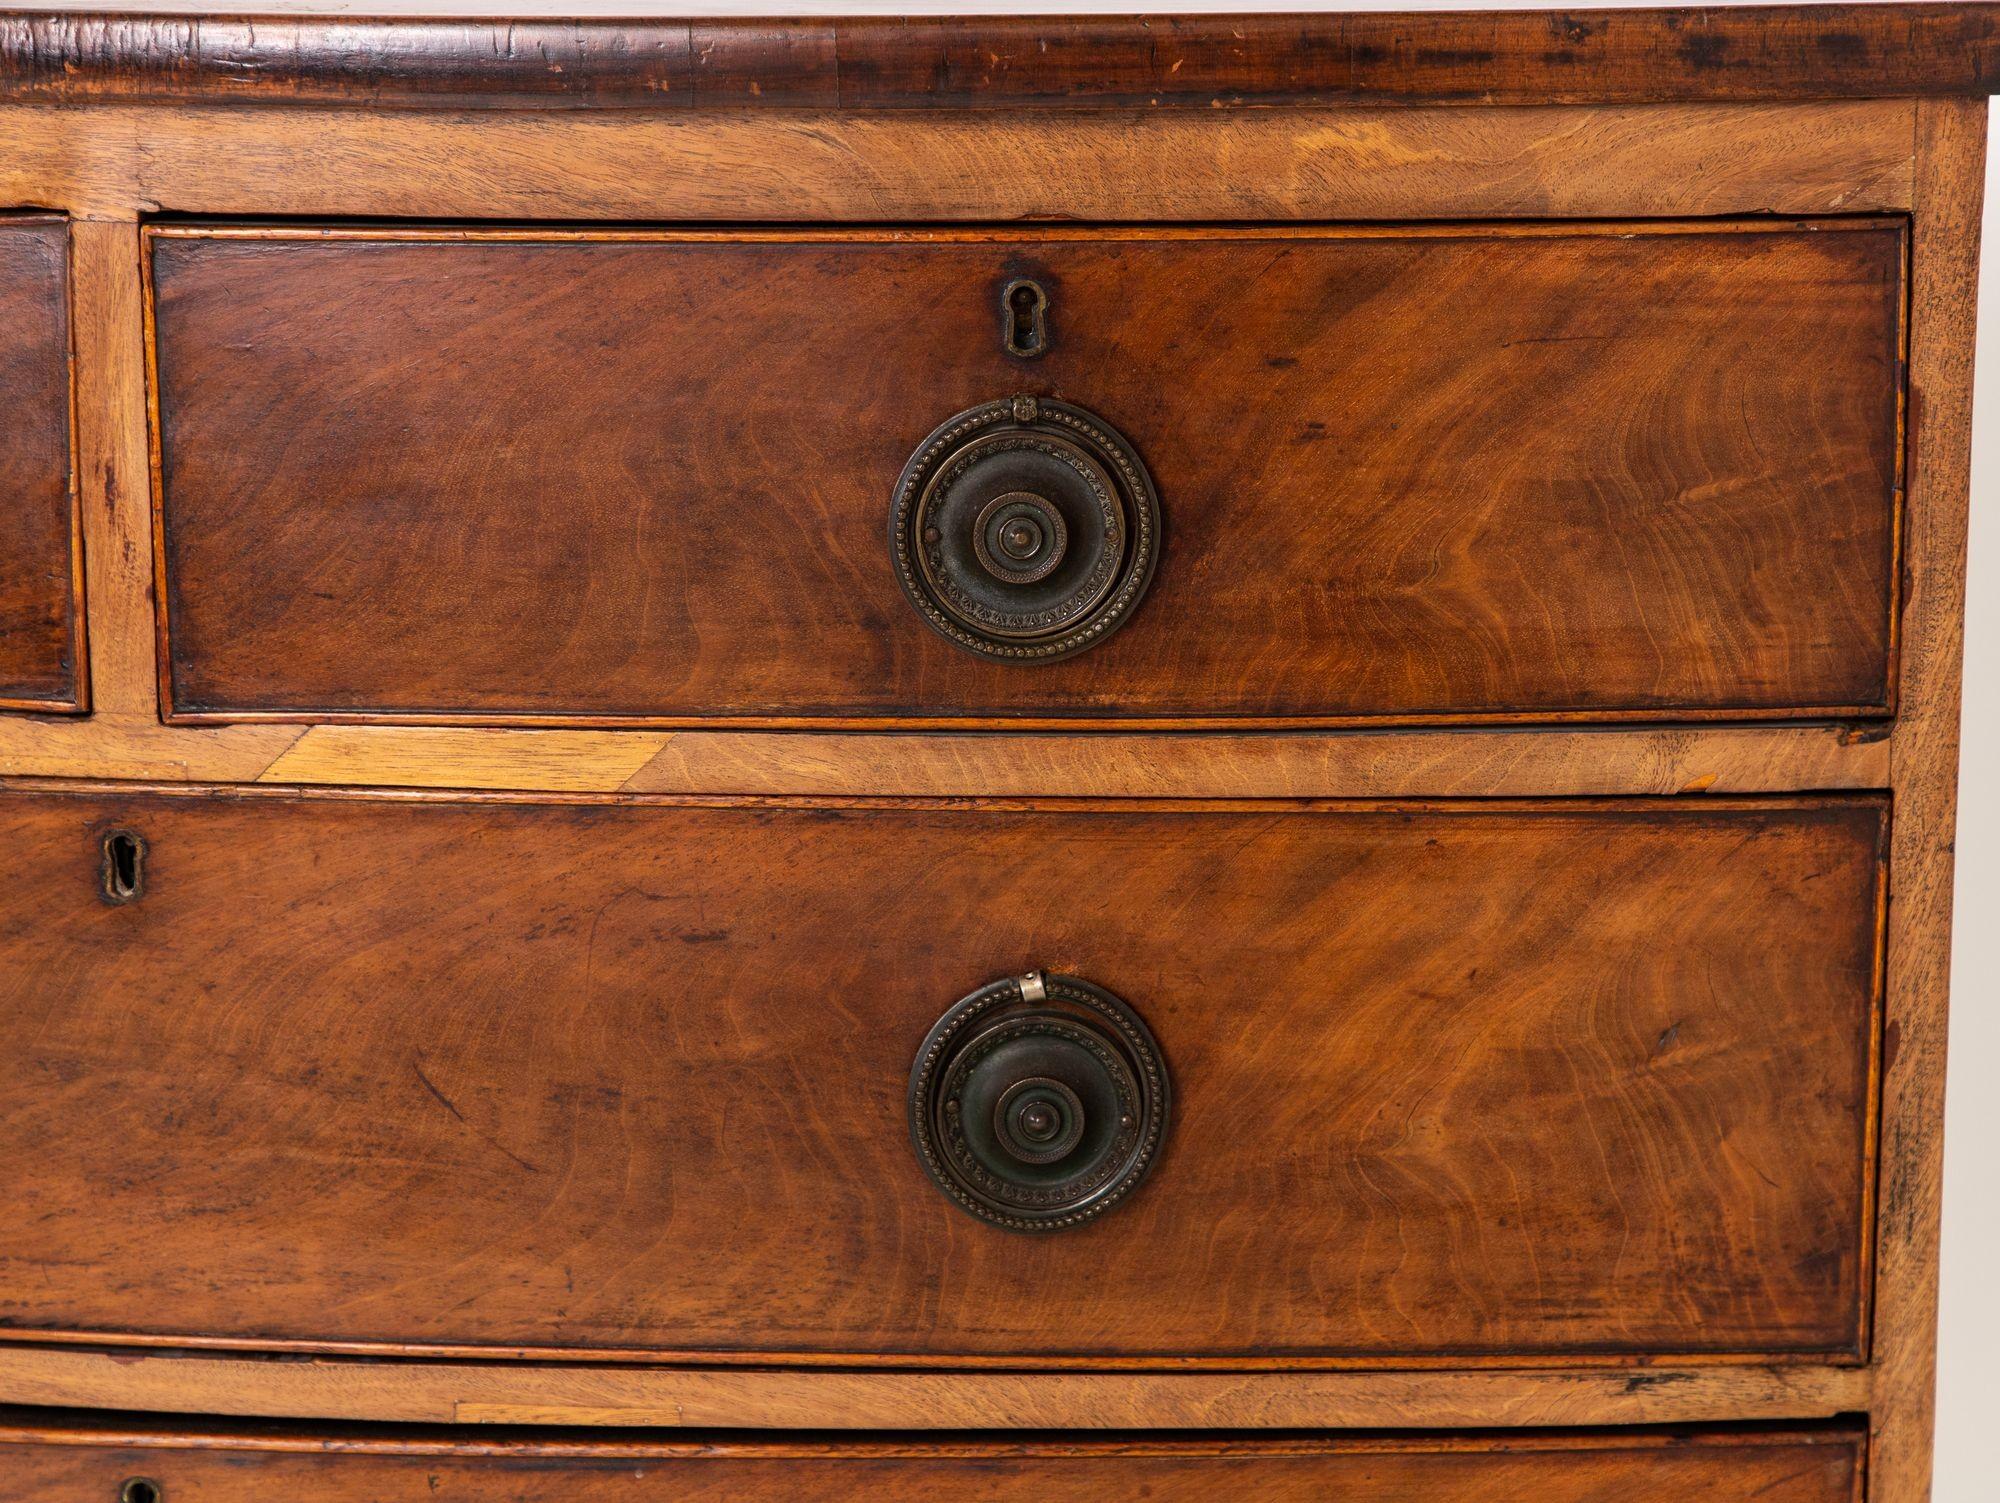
[820, 166]
[545, 1392]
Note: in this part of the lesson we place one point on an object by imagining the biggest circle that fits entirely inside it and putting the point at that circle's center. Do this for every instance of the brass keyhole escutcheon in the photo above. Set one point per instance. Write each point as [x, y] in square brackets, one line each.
[1024, 316]
[122, 871]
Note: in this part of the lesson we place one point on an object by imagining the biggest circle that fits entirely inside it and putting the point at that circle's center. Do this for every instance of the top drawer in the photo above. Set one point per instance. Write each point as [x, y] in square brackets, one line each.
[1536, 472]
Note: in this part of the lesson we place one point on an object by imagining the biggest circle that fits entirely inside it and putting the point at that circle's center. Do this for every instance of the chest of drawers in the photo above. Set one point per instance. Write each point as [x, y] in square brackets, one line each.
[1093, 757]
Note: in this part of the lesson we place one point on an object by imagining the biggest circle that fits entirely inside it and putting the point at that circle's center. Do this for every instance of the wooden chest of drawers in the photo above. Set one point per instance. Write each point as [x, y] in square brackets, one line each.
[1032, 758]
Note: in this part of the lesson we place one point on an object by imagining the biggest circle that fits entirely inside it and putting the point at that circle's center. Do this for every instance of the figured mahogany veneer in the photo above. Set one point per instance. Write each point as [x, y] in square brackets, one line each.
[41, 605]
[1589, 470]
[47, 1460]
[1563, 415]
[1449, 1080]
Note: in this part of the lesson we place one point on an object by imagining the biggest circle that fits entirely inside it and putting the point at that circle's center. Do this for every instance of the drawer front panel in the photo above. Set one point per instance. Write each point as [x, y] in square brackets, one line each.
[1459, 1080]
[91, 1465]
[1596, 470]
[41, 631]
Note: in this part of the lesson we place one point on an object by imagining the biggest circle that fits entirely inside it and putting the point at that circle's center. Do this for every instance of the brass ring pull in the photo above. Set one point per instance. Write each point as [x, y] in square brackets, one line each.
[1025, 530]
[1039, 1102]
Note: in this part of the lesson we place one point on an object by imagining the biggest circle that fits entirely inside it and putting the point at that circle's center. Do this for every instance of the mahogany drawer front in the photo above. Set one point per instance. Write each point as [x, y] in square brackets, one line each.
[1530, 471]
[41, 626]
[54, 1461]
[1578, 1078]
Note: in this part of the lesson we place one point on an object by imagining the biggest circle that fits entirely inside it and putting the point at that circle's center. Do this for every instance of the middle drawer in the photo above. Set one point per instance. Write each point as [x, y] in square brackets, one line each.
[1567, 1077]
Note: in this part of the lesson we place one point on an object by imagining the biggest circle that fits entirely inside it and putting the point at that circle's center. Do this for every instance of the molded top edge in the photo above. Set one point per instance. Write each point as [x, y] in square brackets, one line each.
[272, 54]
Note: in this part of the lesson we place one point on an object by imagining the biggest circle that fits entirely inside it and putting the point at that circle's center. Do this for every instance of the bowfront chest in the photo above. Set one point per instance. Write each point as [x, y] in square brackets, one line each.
[1088, 757]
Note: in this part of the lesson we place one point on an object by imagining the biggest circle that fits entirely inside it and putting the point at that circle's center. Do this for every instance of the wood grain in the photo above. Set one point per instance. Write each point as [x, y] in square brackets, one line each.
[803, 166]
[666, 506]
[523, 58]
[114, 479]
[1350, 764]
[1924, 771]
[804, 157]
[44, 1462]
[41, 585]
[1451, 1082]
[1344, 764]
[601, 1394]
[425, 757]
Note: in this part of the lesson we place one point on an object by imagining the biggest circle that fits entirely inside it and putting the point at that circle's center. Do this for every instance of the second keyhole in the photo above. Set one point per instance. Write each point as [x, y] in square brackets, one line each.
[1024, 314]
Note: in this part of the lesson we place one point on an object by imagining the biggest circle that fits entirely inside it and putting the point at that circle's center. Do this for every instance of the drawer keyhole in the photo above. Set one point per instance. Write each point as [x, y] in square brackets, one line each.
[1024, 307]
[141, 1490]
[124, 881]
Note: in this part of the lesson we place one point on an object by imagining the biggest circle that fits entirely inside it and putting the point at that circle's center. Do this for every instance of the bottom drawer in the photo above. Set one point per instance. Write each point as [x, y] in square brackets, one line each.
[66, 1461]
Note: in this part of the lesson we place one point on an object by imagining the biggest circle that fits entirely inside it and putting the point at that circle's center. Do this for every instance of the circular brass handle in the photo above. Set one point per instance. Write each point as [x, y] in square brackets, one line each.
[1025, 530]
[1039, 1102]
